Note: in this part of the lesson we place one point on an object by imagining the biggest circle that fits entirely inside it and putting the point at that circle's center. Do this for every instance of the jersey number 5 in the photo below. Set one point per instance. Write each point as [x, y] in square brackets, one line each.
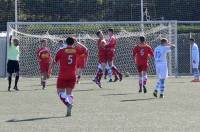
[70, 59]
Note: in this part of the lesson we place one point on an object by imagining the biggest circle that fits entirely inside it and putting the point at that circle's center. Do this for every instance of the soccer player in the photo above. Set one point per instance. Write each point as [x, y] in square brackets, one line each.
[45, 62]
[160, 55]
[82, 59]
[67, 59]
[107, 72]
[110, 54]
[195, 60]
[141, 53]
[61, 44]
[13, 62]
[101, 43]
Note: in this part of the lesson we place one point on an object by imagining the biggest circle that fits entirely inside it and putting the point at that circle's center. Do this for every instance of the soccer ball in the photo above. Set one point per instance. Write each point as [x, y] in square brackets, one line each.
[126, 74]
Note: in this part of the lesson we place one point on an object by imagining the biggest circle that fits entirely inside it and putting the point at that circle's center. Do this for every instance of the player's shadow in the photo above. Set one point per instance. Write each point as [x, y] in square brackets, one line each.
[137, 100]
[117, 94]
[83, 90]
[39, 85]
[24, 90]
[35, 119]
[177, 82]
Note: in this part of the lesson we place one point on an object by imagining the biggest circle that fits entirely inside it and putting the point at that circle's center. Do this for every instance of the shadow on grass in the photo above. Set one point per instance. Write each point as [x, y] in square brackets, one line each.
[137, 100]
[24, 90]
[83, 90]
[39, 85]
[86, 82]
[34, 119]
[117, 94]
[95, 89]
[178, 82]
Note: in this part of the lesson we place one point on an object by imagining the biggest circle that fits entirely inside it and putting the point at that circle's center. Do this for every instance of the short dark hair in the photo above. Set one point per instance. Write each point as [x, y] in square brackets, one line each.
[142, 38]
[83, 41]
[43, 40]
[70, 41]
[97, 33]
[192, 39]
[110, 30]
[16, 41]
[163, 40]
[61, 41]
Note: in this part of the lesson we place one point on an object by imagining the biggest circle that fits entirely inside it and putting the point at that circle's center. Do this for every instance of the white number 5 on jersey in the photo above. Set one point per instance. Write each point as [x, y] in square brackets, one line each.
[70, 59]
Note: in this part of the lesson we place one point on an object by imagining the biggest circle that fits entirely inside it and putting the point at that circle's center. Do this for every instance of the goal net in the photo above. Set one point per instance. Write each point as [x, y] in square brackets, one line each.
[127, 34]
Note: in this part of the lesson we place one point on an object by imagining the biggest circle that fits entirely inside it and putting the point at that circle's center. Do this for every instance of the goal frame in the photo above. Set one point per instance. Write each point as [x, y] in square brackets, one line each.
[170, 22]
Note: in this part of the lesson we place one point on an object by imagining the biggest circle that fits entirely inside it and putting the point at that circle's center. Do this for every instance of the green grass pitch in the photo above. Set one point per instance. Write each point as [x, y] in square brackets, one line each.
[117, 107]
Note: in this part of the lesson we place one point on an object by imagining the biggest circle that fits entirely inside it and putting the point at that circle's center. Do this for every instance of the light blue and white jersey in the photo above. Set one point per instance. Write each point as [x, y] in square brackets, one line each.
[160, 53]
[63, 46]
[195, 53]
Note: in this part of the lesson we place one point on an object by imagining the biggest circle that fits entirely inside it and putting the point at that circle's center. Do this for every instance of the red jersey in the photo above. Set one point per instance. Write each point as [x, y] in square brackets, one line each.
[44, 55]
[67, 59]
[82, 59]
[111, 44]
[101, 46]
[142, 53]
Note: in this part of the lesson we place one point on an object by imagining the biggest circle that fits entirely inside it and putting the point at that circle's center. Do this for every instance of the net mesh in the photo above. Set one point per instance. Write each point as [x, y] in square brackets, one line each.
[127, 34]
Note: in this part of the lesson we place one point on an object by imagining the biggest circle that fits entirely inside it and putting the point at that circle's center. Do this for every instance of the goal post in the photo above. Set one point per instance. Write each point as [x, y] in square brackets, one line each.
[127, 34]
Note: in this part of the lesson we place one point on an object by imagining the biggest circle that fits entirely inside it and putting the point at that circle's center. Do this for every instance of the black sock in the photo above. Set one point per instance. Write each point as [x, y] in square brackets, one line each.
[9, 81]
[16, 80]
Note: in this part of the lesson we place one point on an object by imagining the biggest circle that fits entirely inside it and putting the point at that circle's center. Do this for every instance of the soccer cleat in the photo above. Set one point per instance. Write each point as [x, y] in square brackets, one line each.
[78, 79]
[116, 79]
[140, 90]
[144, 89]
[195, 80]
[110, 80]
[43, 85]
[94, 80]
[69, 110]
[16, 88]
[9, 89]
[155, 93]
[99, 84]
[120, 77]
[161, 96]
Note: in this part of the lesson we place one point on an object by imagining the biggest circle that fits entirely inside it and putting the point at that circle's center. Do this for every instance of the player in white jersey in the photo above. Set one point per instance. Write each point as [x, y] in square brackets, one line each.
[195, 60]
[61, 44]
[160, 55]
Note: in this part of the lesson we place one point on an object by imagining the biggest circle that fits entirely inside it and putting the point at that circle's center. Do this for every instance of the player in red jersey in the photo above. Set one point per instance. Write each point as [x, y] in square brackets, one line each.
[45, 62]
[101, 43]
[67, 59]
[110, 54]
[82, 59]
[141, 53]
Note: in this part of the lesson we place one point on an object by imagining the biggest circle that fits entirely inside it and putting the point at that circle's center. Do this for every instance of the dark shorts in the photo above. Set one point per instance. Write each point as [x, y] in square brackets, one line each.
[12, 66]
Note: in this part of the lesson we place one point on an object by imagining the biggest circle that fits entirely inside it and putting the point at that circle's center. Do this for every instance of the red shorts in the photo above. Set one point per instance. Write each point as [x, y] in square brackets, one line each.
[66, 83]
[44, 67]
[141, 68]
[102, 58]
[110, 56]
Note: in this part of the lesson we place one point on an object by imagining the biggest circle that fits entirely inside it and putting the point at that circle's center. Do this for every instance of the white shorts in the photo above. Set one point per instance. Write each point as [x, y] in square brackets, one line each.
[161, 70]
